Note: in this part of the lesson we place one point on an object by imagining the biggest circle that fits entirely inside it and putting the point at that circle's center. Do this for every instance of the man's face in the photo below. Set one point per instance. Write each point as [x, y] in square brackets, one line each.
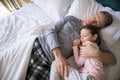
[97, 20]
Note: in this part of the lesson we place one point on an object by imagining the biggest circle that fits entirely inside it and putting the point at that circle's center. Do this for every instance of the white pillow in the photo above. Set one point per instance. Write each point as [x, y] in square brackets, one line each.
[84, 8]
[54, 9]
[111, 34]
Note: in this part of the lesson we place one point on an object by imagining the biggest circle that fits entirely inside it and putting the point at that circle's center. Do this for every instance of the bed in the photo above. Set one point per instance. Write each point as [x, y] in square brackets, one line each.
[19, 30]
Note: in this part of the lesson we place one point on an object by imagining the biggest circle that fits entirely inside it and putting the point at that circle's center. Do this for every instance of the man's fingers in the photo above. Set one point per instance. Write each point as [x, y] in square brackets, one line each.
[62, 68]
[62, 71]
[82, 49]
[58, 69]
[66, 71]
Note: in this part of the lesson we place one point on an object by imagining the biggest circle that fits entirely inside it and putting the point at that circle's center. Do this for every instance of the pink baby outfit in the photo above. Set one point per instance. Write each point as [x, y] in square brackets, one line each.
[92, 66]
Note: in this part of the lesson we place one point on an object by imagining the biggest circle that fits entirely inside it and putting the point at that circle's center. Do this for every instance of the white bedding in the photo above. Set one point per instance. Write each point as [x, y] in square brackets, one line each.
[19, 29]
[17, 33]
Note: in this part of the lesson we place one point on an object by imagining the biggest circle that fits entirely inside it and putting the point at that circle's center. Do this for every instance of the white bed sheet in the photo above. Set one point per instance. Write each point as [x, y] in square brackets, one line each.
[17, 33]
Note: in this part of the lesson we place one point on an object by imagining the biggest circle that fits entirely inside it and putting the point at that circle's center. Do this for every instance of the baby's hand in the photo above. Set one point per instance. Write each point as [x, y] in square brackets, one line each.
[76, 42]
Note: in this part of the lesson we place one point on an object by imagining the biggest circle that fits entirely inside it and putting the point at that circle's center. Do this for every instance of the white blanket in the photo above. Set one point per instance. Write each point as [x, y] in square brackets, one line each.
[17, 33]
[20, 28]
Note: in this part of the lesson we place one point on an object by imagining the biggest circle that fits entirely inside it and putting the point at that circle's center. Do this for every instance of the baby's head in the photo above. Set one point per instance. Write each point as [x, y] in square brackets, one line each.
[89, 33]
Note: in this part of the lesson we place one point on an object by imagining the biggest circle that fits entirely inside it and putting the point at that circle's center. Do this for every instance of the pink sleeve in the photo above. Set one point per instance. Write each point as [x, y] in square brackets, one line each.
[78, 59]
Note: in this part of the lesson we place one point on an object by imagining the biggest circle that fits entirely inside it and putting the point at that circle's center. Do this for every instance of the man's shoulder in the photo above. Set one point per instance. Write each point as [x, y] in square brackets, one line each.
[70, 17]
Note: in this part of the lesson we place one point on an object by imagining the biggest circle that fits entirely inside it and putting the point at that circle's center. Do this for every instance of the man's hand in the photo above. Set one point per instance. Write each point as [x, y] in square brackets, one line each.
[92, 51]
[61, 63]
[89, 51]
[62, 66]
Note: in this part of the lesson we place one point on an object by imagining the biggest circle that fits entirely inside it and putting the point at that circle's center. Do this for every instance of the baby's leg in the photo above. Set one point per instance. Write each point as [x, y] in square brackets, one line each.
[53, 72]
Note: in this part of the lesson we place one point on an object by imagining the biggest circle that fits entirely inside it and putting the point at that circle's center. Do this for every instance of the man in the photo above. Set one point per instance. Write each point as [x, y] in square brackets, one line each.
[56, 45]
[99, 20]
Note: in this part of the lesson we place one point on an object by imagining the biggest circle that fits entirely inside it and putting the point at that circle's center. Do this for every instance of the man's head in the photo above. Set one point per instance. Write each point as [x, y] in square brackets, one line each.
[100, 20]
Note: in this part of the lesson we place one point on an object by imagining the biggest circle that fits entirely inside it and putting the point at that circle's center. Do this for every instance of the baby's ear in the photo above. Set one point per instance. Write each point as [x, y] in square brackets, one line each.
[95, 36]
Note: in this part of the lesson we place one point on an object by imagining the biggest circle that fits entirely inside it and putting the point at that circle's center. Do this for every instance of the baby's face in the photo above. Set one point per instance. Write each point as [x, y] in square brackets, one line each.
[86, 35]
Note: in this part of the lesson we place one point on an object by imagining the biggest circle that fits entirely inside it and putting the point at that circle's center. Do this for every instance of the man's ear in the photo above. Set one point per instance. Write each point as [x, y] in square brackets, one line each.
[95, 36]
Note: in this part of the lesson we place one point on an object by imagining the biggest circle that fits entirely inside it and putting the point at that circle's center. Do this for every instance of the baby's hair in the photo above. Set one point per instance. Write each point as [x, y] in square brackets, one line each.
[94, 30]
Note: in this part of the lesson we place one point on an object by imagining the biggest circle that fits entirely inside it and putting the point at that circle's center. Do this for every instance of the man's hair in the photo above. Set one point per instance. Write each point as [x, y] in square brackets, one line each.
[108, 18]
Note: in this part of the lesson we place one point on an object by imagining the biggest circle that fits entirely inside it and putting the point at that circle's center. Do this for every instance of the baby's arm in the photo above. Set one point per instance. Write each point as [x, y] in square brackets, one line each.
[76, 50]
[78, 59]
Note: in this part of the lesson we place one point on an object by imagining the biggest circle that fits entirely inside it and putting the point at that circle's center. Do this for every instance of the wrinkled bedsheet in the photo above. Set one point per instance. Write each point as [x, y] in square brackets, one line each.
[17, 33]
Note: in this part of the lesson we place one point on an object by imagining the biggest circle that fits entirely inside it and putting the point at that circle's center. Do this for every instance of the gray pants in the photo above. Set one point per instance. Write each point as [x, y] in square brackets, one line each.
[73, 74]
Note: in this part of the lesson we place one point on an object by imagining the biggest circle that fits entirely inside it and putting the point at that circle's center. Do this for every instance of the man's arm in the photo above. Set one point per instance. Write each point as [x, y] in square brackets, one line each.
[53, 42]
[61, 63]
[52, 34]
[104, 57]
